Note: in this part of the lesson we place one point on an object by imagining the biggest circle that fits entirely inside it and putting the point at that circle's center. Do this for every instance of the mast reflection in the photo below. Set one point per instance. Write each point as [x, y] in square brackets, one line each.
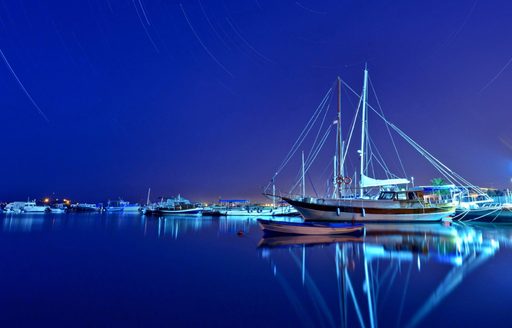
[396, 274]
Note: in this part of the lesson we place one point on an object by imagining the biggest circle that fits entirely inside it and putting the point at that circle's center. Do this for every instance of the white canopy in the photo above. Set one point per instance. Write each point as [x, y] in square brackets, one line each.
[371, 182]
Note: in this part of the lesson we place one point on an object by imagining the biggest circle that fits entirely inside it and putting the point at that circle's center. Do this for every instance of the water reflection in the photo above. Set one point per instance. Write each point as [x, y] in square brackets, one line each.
[174, 226]
[395, 275]
[26, 223]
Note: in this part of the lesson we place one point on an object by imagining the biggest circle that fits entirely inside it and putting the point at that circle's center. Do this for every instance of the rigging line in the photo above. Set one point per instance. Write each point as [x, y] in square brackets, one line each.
[319, 148]
[352, 127]
[312, 184]
[418, 147]
[309, 9]
[298, 145]
[314, 156]
[380, 159]
[303, 134]
[454, 35]
[248, 44]
[308, 165]
[387, 127]
[202, 43]
[319, 130]
[144, 12]
[39, 110]
[145, 28]
[212, 26]
[496, 76]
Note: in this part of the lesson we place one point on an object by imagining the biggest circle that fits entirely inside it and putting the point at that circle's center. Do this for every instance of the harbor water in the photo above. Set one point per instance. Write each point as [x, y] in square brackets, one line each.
[71, 270]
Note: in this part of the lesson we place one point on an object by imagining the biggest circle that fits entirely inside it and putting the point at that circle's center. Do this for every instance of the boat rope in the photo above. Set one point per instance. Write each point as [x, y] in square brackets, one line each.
[387, 127]
[483, 216]
[312, 158]
[302, 136]
[450, 175]
[318, 134]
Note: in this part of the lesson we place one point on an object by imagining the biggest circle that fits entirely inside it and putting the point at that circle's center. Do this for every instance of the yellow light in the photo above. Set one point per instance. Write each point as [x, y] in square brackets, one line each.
[46, 200]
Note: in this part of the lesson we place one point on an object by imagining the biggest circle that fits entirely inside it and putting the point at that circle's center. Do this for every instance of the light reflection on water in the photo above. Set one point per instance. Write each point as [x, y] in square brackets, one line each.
[395, 275]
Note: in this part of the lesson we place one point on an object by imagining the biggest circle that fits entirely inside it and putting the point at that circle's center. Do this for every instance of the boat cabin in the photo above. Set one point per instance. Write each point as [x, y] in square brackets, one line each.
[401, 195]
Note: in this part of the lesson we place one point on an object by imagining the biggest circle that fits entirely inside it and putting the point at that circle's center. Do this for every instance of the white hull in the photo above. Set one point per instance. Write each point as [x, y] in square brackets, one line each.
[281, 211]
[35, 209]
[131, 209]
[188, 212]
[255, 213]
[316, 215]
[114, 209]
[57, 210]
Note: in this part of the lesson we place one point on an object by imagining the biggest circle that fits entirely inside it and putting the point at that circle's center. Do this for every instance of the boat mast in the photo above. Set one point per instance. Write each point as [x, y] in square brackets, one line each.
[273, 194]
[149, 192]
[303, 177]
[364, 124]
[339, 147]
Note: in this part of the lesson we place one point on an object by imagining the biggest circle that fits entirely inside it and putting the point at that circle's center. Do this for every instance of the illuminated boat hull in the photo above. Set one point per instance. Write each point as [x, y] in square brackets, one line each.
[197, 211]
[368, 210]
[496, 214]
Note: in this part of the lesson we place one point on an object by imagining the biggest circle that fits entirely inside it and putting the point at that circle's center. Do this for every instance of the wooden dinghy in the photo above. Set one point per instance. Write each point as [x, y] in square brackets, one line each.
[309, 228]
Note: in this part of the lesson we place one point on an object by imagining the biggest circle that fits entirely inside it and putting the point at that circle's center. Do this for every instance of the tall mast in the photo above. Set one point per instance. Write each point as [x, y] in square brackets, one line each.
[303, 177]
[147, 199]
[273, 194]
[364, 124]
[339, 169]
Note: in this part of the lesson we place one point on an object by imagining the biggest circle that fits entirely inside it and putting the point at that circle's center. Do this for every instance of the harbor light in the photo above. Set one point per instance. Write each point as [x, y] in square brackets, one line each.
[46, 200]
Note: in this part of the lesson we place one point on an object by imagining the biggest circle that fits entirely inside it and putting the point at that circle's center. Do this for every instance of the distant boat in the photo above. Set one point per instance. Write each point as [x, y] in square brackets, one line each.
[131, 208]
[485, 212]
[14, 207]
[174, 206]
[84, 207]
[244, 208]
[58, 208]
[259, 211]
[309, 228]
[32, 207]
[122, 206]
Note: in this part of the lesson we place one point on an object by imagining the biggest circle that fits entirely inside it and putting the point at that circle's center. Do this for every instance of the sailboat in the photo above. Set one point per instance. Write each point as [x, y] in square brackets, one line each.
[392, 204]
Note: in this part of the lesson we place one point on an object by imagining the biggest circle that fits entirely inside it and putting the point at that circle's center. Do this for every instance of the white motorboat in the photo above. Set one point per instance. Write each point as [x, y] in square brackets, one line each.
[260, 211]
[32, 207]
[174, 206]
[58, 209]
[14, 207]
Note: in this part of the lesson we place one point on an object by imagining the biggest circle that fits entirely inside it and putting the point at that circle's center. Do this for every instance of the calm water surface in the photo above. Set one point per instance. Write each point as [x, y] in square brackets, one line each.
[112, 270]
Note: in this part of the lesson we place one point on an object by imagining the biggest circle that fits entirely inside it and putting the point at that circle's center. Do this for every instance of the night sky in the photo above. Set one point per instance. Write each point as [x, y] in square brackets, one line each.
[102, 98]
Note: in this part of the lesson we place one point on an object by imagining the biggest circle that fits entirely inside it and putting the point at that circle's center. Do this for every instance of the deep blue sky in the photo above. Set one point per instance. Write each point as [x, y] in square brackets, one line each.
[136, 96]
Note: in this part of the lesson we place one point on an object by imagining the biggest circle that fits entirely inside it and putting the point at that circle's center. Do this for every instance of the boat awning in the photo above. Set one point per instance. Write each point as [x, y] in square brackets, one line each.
[371, 182]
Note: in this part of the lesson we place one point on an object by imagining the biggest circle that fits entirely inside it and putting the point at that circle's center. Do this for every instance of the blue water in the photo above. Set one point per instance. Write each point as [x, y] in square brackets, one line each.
[72, 270]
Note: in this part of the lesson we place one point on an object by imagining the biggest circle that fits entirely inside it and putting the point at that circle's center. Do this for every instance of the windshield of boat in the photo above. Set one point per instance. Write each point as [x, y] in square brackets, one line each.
[387, 195]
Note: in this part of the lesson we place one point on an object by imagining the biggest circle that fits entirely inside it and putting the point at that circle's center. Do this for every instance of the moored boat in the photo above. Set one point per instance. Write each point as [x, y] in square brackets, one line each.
[174, 206]
[390, 206]
[122, 206]
[489, 212]
[85, 208]
[32, 207]
[388, 199]
[14, 207]
[309, 228]
[58, 208]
